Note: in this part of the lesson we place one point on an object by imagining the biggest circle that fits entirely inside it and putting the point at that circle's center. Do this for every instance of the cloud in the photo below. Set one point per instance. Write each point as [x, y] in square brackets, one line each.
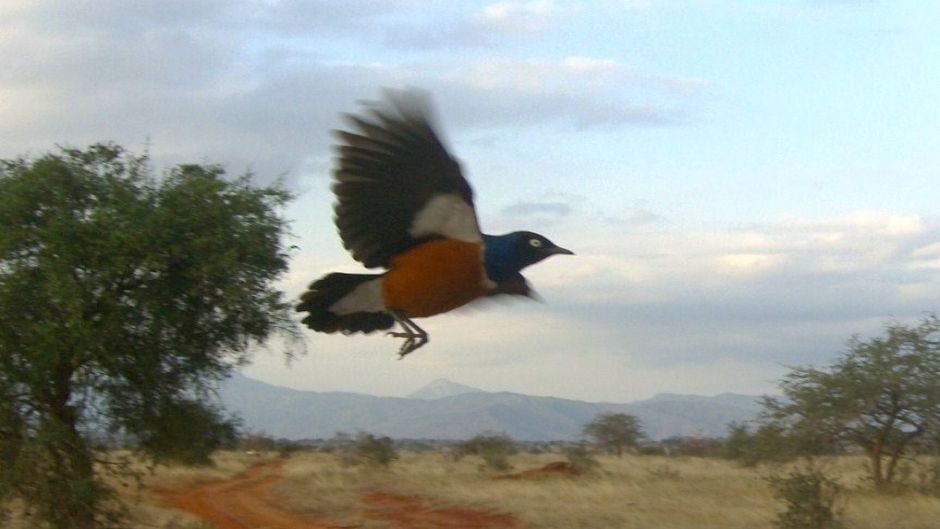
[316, 16]
[790, 291]
[487, 27]
[520, 17]
[583, 92]
[557, 209]
[635, 218]
[251, 83]
[200, 84]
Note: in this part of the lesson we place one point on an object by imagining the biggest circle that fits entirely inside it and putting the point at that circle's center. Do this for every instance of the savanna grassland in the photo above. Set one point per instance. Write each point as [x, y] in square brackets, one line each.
[628, 492]
[140, 489]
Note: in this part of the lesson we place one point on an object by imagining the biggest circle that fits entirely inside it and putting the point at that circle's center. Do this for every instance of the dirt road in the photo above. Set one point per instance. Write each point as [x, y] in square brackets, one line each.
[243, 502]
[247, 502]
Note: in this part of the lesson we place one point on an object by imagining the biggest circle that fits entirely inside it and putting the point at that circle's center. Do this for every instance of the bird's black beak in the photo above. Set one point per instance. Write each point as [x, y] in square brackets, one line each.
[558, 250]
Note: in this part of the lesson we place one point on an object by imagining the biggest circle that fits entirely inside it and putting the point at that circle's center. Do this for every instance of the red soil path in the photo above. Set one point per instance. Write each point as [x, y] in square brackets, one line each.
[243, 502]
[552, 470]
[247, 502]
[412, 512]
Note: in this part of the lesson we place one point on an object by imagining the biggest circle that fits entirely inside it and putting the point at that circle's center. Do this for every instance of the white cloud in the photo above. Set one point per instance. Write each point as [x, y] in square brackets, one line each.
[486, 27]
[745, 294]
[520, 17]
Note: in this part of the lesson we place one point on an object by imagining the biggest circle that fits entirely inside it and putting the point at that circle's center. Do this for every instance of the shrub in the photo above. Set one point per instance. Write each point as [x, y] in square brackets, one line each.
[580, 459]
[922, 476]
[374, 451]
[764, 443]
[810, 497]
[493, 448]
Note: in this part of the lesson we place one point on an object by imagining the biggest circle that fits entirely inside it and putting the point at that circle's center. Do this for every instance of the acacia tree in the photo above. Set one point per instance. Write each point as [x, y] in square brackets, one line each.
[493, 447]
[614, 432]
[123, 298]
[882, 395]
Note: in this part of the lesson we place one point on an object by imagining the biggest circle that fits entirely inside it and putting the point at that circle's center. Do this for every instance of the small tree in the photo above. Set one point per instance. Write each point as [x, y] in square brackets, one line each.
[374, 451]
[765, 442]
[614, 432]
[881, 396]
[123, 299]
[810, 498]
[493, 448]
[580, 458]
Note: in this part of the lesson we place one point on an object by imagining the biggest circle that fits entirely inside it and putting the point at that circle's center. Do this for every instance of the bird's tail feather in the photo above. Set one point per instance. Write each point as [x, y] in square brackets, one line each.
[346, 303]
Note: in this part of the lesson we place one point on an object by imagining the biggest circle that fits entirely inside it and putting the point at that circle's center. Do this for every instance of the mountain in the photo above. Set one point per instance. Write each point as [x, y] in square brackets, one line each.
[447, 410]
[441, 388]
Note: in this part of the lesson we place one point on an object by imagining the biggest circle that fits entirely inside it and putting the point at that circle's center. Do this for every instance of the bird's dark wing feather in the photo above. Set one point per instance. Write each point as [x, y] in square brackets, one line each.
[396, 184]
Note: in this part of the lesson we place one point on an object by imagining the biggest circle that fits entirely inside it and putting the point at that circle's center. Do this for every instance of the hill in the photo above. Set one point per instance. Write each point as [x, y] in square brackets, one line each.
[447, 410]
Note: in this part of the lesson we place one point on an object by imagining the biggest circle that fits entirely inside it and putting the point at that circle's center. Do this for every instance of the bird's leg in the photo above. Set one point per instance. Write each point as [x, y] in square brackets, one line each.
[414, 336]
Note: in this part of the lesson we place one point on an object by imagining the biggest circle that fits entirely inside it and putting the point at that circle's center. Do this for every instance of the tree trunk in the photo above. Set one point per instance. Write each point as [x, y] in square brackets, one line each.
[76, 492]
[72, 497]
[874, 453]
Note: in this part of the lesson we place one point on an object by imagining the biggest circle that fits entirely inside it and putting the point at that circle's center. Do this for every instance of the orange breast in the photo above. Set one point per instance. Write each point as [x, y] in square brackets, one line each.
[434, 277]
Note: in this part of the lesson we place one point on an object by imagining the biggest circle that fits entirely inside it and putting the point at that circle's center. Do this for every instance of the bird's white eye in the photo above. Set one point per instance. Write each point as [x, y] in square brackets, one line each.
[535, 243]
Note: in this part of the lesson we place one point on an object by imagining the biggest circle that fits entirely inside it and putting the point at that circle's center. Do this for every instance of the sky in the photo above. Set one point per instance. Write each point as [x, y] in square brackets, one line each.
[746, 184]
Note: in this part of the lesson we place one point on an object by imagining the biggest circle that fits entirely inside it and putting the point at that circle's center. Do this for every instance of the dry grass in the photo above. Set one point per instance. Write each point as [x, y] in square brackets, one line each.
[144, 510]
[628, 492]
[322, 486]
[632, 492]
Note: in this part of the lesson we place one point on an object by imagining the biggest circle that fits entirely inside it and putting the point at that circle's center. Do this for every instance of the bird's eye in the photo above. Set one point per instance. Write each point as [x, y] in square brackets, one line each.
[535, 243]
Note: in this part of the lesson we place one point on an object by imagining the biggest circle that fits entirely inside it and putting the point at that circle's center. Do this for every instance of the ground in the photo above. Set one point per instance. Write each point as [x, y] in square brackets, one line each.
[249, 501]
[433, 490]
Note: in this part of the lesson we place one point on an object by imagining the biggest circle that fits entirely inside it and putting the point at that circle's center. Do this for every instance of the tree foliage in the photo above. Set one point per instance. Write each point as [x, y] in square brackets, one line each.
[768, 442]
[810, 498]
[882, 396]
[375, 451]
[123, 298]
[614, 432]
[493, 448]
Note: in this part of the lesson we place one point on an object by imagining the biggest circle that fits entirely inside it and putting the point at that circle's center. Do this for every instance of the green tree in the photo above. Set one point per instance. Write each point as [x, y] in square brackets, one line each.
[614, 432]
[123, 298]
[493, 448]
[811, 500]
[762, 443]
[375, 451]
[882, 395]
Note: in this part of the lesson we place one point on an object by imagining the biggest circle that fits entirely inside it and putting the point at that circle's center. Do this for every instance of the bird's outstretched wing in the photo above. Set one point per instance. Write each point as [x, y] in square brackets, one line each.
[396, 184]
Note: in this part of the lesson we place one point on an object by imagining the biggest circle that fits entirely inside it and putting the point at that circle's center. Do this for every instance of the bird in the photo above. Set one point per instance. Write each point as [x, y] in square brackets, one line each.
[403, 204]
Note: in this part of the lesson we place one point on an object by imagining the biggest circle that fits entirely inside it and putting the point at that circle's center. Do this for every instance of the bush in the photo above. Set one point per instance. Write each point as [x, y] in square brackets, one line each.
[493, 448]
[922, 476]
[764, 443]
[374, 451]
[810, 497]
[580, 459]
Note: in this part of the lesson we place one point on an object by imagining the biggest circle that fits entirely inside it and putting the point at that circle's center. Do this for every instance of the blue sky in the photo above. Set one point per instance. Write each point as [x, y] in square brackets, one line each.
[746, 183]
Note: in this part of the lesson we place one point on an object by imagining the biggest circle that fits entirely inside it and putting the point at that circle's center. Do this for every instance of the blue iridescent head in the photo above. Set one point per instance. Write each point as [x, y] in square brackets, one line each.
[508, 254]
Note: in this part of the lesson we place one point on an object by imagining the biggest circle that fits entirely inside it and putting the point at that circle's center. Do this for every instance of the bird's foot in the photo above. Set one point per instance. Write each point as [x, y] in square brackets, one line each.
[414, 336]
[412, 341]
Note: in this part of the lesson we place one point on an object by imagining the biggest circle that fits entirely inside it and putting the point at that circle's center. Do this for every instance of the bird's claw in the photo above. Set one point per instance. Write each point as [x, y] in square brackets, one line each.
[414, 336]
[412, 342]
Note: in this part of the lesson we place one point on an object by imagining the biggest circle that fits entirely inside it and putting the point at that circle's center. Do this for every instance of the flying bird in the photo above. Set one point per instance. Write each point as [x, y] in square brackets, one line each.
[404, 205]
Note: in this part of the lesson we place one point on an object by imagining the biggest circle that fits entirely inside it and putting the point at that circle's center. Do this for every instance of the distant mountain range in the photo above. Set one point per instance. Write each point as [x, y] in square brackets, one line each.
[447, 410]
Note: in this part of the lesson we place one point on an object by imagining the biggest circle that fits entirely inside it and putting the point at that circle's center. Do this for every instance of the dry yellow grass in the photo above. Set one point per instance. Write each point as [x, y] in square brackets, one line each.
[629, 492]
[632, 492]
[638, 492]
[143, 511]
[321, 486]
